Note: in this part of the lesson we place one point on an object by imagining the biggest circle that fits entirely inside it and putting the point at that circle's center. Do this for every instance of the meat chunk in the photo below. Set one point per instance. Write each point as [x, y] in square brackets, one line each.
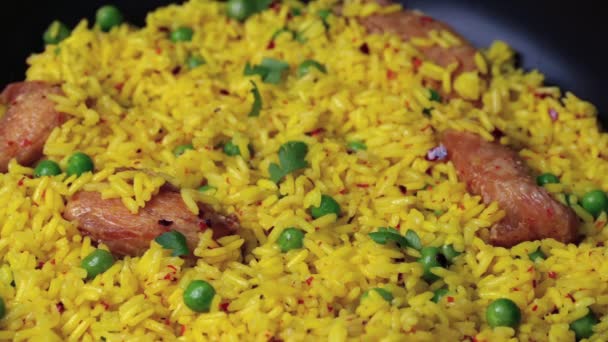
[110, 222]
[28, 121]
[498, 174]
[411, 24]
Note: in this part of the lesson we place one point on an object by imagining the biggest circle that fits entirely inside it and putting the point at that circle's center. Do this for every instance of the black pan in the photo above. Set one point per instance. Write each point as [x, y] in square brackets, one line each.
[562, 39]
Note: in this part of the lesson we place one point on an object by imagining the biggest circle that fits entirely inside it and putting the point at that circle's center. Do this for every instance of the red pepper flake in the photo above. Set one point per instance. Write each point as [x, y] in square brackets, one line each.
[300, 301]
[429, 187]
[119, 86]
[224, 92]
[270, 45]
[309, 280]
[541, 95]
[403, 189]
[534, 283]
[176, 70]
[571, 298]
[343, 191]
[202, 226]
[330, 308]
[426, 19]
[552, 275]
[599, 224]
[25, 143]
[390, 74]
[363, 185]
[182, 330]
[10, 143]
[535, 307]
[20, 182]
[60, 307]
[417, 62]
[40, 265]
[224, 306]
[159, 50]
[407, 105]
[168, 276]
[364, 48]
[450, 299]
[173, 268]
[315, 132]
[53, 262]
[105, 305]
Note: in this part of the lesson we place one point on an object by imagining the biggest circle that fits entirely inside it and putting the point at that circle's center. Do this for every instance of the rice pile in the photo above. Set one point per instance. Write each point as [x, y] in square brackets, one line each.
[131, 100]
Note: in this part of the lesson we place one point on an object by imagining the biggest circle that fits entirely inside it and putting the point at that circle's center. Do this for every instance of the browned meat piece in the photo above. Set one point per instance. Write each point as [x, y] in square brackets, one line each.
[498, 174]
[125, 233]
[28, 121]
[410, 24]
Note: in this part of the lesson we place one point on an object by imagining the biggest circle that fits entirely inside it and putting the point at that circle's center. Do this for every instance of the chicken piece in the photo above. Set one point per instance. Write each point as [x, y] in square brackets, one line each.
[28, 121]
[409, 24]
[125, 233]
[498, 174]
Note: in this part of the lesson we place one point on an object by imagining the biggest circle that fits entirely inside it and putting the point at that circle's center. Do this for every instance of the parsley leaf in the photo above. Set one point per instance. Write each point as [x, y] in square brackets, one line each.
[292, 157]
[173, 240]
[386, 234]
[413, 239]
[261, 5]
[324, 14]
[434, 95]
[257, 101]
[270, 70]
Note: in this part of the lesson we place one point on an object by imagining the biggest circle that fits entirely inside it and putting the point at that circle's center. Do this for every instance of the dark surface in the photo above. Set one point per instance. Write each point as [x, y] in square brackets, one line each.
[558, 39]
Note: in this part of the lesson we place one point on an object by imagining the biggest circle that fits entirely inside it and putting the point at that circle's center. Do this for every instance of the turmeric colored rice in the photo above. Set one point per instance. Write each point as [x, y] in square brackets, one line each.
[131, 99]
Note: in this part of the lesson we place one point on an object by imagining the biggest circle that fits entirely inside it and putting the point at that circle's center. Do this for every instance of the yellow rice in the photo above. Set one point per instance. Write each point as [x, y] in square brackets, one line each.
[311, 293]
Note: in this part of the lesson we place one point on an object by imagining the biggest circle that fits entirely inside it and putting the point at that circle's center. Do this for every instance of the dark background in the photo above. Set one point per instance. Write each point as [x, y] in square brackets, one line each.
[562, 39]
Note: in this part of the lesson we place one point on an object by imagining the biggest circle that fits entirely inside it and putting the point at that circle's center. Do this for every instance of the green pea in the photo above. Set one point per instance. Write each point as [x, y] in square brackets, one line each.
[594, 202]
[503, 312]
[97, 262]
[305, 66]
[194, 62]
[431, 257]
[240, 9]
[537, 255]
[449, 252]
[47, 168]
[439, 293]
[182, 34]
[546, 178]
[181, 149]
[199, 295]
[107, 17]
[230, 149]
[55, 33]
[385, 294]
[328, 206]
[2, 308]
[290, 238]
[79, 163]
[356, 145]
[583, 327]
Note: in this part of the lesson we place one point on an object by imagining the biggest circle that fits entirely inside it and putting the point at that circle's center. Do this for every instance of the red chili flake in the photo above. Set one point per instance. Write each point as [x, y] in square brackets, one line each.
[176, 70]
[53, 262]
[202, 226]
[426, 19]
[40, 265]
[429, 187]
[173, 268]
[534, 283]
[363, 185]
[541, 95]
[450, 299]
[25, 143]
[571, 298]
[515, 289]
[535, 307]
[10, 143]
[390, 74]
[182, 330]
[224, 306]
[276, 6]
[159, 51]
[330, 308]
[224, 92]
[309, 280]
[60, 307]
[364, 48]
[258, 203]
[20, 182]
[552, 275]
[315, 132]
[270, 45]
[407, 104]
[599, 224]
[119, 86]
[403, 189]
[168, 276]
[106, 306]
[417, 62]
[300, 301]
[343, 191]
